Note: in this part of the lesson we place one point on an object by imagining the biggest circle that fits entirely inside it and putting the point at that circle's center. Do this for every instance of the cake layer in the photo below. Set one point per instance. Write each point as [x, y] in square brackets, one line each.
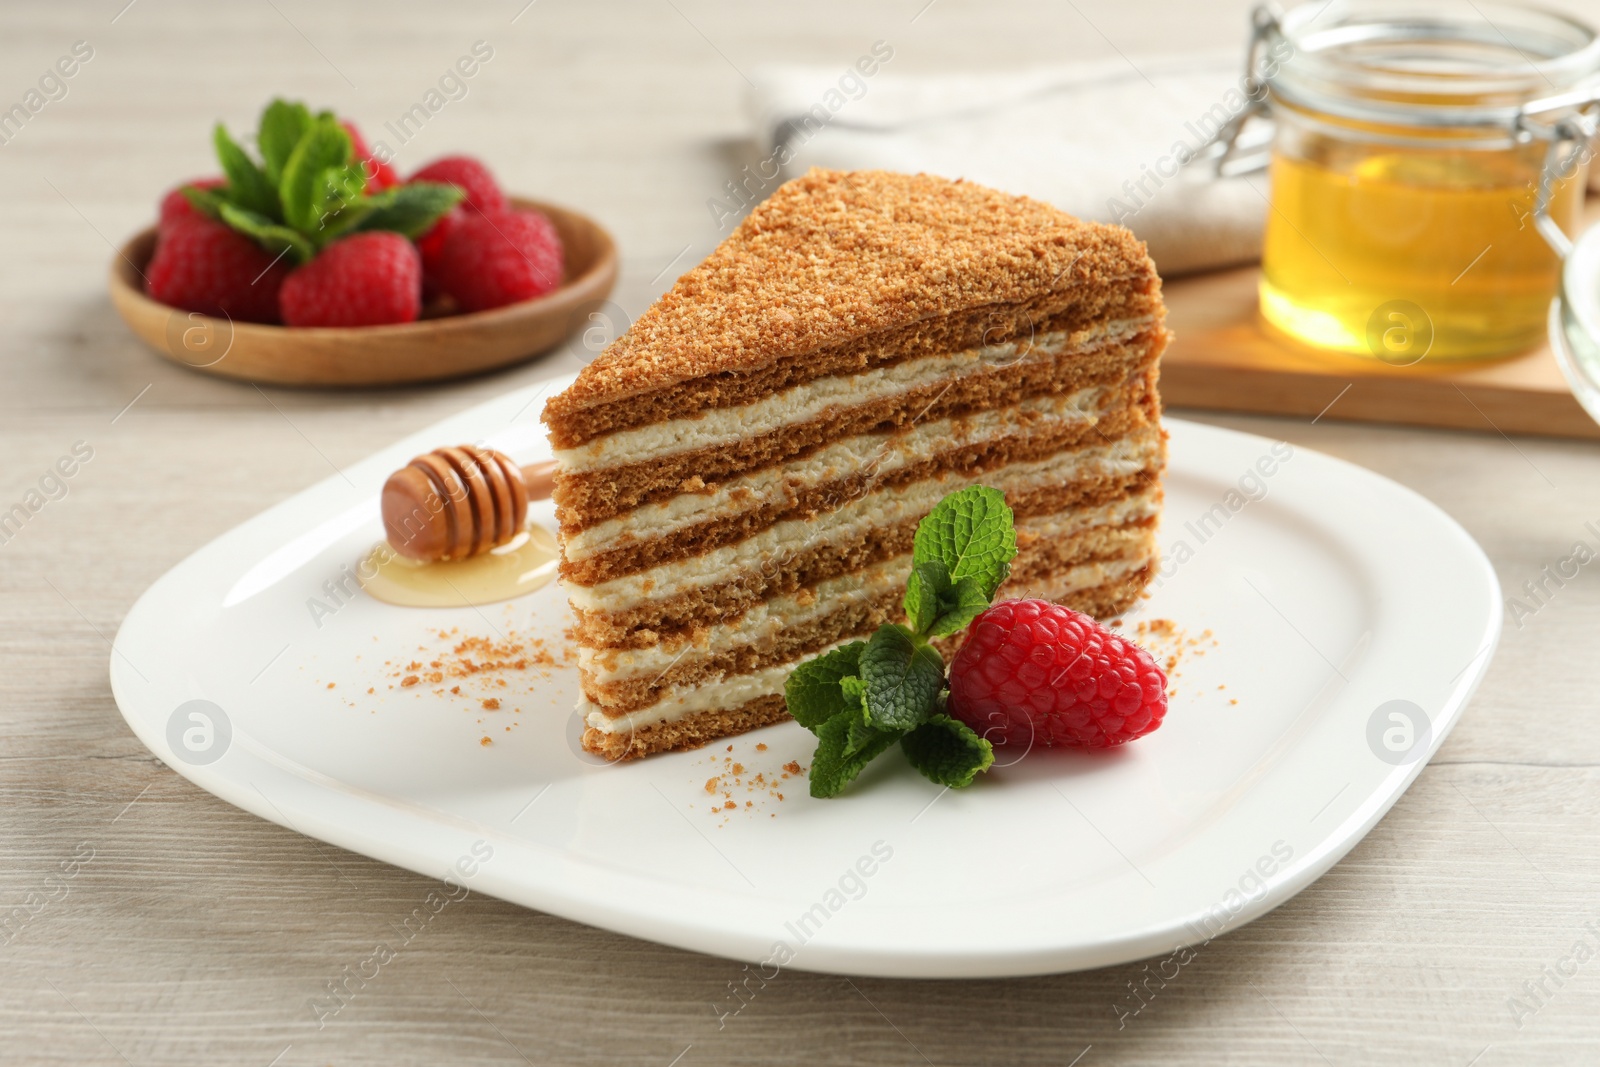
[774, 631]
[786, 628]
[691, 724]
[1068, 312]
[805, 402]
[691, 731]
[1030, 432]
[856, 614]
[587, 496]
[875, 526]
[1112, 585]
[879, 456]
[1137, 504]
[681, 701]
[1119, 591]
[694, 610]
[832, 257]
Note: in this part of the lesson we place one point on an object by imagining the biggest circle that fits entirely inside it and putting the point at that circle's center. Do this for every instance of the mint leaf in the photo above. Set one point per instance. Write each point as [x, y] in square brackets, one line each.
[861, 698]
[935, 606]
[947, 751]
[343, 202]
[409, 209]
[282, 126]
[247, 184]
[344, 184]
[813, 691]
[317, 178]
[855, 690]
[344, 205]
[903, 677]
[860, 735]
[959, 607]
[271, 235]
[342, 220]
[927, 587]
[972, 534]
[309, 190]
[834, 766]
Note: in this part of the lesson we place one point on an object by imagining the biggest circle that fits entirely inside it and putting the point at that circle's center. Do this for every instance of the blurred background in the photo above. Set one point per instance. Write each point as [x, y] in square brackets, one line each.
[636, 114]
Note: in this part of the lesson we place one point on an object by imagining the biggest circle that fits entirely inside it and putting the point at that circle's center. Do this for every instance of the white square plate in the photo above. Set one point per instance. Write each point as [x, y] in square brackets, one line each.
[1349, 619]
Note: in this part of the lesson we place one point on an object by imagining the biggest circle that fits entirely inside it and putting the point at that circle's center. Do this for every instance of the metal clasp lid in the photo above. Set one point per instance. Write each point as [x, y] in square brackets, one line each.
[1266, 28]
[1569, 136]
[1570, 148]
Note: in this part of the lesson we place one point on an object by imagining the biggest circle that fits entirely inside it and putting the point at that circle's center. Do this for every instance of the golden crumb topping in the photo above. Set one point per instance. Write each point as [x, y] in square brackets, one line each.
[834, 255]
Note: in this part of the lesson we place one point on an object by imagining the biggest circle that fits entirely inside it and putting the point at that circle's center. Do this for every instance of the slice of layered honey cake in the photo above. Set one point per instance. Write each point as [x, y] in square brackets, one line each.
[741, 473]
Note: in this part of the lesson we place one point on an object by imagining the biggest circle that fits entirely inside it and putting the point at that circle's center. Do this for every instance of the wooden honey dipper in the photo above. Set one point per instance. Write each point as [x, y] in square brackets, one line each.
[453, 503]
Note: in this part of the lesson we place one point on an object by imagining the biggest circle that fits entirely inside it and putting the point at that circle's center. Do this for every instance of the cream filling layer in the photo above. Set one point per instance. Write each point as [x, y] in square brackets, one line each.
[773, 547]
[682, 702]
[1086, 575]
[764, 622]
[804, 402]
[758, 625]
[1135, 507]
[875, 454]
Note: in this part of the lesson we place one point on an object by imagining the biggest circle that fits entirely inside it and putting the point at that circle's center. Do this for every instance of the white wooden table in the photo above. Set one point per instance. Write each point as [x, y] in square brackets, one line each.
[191, 933]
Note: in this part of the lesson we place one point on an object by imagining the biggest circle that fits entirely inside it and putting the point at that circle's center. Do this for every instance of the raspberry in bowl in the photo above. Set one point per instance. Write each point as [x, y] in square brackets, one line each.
[312, 262]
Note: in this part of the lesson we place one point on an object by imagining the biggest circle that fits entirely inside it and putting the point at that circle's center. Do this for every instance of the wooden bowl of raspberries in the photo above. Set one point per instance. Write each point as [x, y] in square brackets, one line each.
[313, 263]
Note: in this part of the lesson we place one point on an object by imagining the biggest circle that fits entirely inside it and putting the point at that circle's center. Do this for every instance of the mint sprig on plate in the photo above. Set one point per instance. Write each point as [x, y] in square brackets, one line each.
[861, 698]
[309, 189]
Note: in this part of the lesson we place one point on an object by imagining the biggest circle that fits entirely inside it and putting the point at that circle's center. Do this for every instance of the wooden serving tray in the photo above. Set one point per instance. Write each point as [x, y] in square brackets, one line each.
[1225, 358]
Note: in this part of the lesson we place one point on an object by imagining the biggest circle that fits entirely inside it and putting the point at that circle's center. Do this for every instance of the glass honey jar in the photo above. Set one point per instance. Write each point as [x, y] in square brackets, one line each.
[1418, 149]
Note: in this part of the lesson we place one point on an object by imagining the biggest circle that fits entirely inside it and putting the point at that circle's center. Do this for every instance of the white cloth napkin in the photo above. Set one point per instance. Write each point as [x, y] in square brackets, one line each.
[1071, 136]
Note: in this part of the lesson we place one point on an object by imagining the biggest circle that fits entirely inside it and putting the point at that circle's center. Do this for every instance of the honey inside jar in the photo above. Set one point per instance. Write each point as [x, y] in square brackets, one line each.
[1356, 246]
[1403, 187]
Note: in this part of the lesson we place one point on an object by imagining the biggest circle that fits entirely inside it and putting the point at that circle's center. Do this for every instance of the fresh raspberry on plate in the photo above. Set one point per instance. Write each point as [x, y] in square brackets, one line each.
[201, 265]
[368, 279]
[469, 175]
[175, 207]
[493, 259]
[1033, 672]
[380, 175]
